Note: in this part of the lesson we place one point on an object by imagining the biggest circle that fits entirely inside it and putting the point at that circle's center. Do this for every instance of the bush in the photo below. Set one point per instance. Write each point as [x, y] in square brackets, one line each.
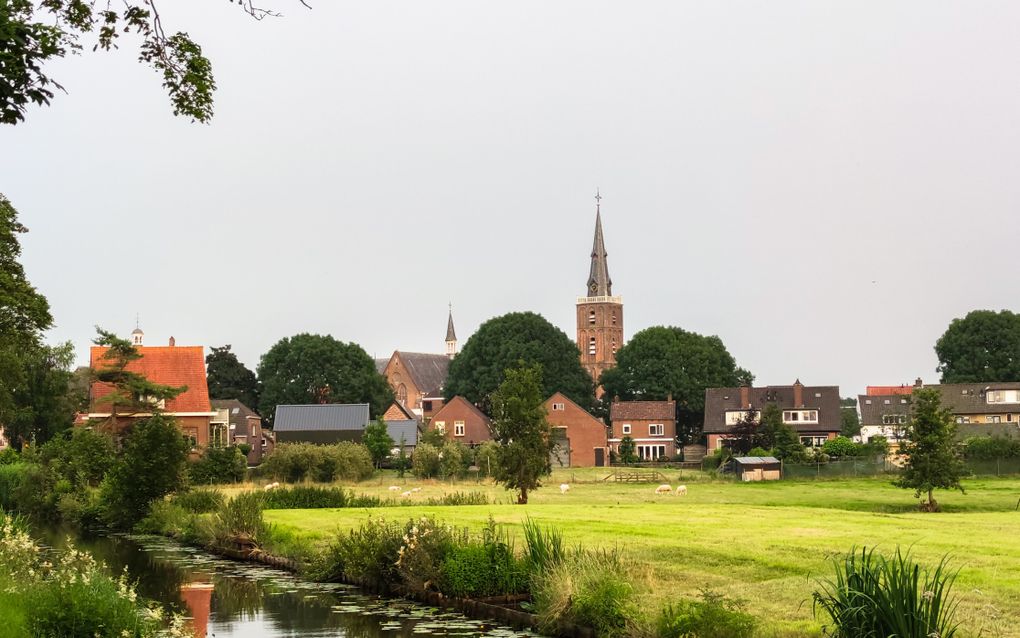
[991, 448]
[82, 456]
[200, 501]
[588, 589]
[715, 616]
[877, 446]
[9, 456]
[367, 555]
[295, 462]
[11, 477]
[218, 465]
[310, 497]
[238, 523]
[487, 569]
[841, 446]
[759, 451]
[485, 458]
[425, 546]
[425, 463]
[872, 595]
[455, 460]
[453, 498]
[170, 518]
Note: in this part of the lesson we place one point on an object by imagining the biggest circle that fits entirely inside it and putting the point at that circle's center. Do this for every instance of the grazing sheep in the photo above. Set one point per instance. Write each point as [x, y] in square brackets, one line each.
[394, 488]
[564, 488]
[664, 489]
[405, 495]
[271, 486]
[681, 490]
[415, 490]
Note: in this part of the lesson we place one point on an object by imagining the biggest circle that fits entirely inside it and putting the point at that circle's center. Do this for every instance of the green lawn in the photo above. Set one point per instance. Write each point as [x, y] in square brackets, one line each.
[765, 542]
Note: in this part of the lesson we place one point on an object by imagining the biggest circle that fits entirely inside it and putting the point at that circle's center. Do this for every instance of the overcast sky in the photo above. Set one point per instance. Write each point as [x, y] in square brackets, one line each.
[823, 185]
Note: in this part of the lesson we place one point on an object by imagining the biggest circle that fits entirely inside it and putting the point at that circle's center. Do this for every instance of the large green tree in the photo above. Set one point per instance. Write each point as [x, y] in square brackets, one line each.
[932, 456]
[662, 361]
[34, 402]
[228, 378]
[850, 421]
[309, 368]
[982, 347]
[378, 441]
[520, 428]
[509, 341]
[33, 34]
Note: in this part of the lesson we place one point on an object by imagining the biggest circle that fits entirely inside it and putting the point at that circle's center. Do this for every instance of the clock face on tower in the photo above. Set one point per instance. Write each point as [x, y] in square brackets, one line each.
[594, 288]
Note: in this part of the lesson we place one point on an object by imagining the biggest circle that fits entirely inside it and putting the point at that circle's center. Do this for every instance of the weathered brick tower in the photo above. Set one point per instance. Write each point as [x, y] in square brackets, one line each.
[599, 313]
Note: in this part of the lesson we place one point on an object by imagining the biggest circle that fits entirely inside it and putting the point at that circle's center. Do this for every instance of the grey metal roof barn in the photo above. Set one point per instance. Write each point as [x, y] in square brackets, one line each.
[320, 418]
[408, 429]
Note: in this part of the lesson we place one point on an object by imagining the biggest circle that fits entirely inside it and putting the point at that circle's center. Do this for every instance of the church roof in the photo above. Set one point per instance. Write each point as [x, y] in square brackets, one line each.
[428, 371]
[451, 334]
[599, 283]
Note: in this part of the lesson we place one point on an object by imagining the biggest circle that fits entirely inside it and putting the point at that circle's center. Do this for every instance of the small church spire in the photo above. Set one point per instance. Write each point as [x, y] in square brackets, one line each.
[599, 283]
[451, 335]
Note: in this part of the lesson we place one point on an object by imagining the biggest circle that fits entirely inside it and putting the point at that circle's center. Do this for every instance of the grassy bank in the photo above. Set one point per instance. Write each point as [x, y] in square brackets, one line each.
[765, 543]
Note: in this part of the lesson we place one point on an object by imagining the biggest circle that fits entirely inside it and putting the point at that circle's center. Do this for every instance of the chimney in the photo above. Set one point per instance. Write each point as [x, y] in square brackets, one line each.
[669, 396]
[918, 383]
[798, 394]
[173, 342]
[745, 396]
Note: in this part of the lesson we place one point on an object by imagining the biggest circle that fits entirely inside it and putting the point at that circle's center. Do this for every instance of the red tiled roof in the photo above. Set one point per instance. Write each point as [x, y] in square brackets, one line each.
[882, 390]
[167, 365]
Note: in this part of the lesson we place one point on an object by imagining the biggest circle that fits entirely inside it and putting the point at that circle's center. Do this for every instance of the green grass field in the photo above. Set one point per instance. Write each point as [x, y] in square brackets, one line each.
[766, 543]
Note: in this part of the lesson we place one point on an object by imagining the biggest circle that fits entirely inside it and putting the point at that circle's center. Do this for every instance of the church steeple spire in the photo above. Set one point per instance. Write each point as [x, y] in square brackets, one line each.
[599, 283]
[451, 336]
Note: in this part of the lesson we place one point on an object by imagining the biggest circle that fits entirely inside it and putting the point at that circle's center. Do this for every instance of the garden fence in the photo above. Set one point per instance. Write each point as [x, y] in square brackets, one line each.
[851, 467]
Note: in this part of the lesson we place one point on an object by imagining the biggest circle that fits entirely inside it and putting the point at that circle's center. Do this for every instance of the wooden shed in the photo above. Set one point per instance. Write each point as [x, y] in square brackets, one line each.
[758, 468]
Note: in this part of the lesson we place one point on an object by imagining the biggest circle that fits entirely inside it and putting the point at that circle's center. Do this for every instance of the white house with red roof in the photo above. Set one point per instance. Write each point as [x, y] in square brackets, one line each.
[170, 365]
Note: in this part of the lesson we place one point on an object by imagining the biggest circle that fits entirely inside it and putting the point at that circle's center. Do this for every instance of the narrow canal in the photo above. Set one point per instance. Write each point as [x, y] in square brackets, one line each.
[228, 599]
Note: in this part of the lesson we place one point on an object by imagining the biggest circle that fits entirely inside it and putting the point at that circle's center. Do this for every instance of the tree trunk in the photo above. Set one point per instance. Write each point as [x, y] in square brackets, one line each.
[522, 498]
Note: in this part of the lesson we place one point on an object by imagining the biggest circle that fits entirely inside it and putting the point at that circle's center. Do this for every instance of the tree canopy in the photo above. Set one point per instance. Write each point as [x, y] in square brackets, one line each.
[309, 368]
[662, 361]
[932, 458]
[520, 428]
[510, 341]
[228, 378]
[36, 33]
[982, 347]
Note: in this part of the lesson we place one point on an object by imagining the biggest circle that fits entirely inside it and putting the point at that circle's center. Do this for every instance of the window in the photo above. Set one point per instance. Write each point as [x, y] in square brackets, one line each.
[651, 452]
[235, 410]
[818, 395]
[813, 441]
[614, 347]
[887, 402]
[441, 427]
[655, 429]
[794, 416]
[217, 435]
[995, 419]
[903, 401]
[402, 394]
[1003, 396]
[191, 435]
[558, 407]
[1009, 418]
[625, 428]
[963, 419]
[894, 419]
[458, 428]
[591, 317]
[868, 401]
[427, 405]
[614, 317]
[591, 346]
[734, 417]
[791, 416]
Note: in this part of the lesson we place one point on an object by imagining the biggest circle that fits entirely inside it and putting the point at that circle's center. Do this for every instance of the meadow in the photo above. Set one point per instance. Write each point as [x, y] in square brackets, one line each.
[764, 543]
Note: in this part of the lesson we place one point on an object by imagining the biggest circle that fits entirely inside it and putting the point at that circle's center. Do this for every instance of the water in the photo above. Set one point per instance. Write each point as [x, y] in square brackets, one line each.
[228, 599]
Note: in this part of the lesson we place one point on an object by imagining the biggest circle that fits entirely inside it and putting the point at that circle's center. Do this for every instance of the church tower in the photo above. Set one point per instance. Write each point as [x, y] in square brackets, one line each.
[451, 336]
[599, 313]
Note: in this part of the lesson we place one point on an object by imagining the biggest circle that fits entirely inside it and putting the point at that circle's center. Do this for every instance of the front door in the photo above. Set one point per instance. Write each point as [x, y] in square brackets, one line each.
[600, 457]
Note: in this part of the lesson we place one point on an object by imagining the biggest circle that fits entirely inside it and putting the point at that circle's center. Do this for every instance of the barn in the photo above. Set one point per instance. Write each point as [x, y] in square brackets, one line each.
[758, 468]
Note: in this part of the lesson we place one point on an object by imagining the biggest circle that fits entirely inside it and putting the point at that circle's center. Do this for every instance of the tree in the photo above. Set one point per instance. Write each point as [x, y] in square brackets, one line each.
[151, 466]
[309, 368]
[771, 423]
[378, 441]
[512, 340]
[787, 445]
[627, 450]
[35, 33]
[746, 435]
[228, 378]
[850, 421]
[982, 347]
[520, 428]
[43, 405]
[662, 361]
[932, 458]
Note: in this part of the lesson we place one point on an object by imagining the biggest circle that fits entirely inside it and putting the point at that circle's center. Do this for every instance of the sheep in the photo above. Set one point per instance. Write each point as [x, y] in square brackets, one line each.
[664, 489]
[564, 488]
[415, 490]
[271, 486]
[681, 490]
[406, 495]
[394, 488]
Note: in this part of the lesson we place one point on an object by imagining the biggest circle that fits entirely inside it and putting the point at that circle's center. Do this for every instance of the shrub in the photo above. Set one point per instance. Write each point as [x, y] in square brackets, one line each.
[81, 508]
[368, 554]
[170, 518]
[424, 548]
[841, 446]
[200, 501]
[238, 522]
[543, 546]
[218, 465]
[487, 569]
[311, 497]
[990, 448]
[453, 498]
[354, 462]
[872, 595]
[485, 458]
[9, 456]
[876, 446]
[715, 616]
[759, 451]
[11, 477]
[456, 458]
[294, 462]
[82, 456]
[425, 463]
[588, 589]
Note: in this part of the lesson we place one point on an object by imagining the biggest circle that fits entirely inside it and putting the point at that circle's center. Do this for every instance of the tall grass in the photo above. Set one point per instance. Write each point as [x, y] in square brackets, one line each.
[543, 546]
[875, 596]
[589, 589]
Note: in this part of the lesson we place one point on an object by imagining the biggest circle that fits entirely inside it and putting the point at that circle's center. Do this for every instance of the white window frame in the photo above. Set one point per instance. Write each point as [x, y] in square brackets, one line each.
[651, 451]
[656, 429]
[458, 428]
[441, 427]
[813, 441]
[559, 407]
[625, 428]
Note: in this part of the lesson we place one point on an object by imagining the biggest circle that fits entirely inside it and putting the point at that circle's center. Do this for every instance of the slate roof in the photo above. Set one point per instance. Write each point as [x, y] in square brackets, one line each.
[448, 406]
[380, 365]
[167, 365]
[643, 411]
[874, 407]
[719, 401]
[327, 417]
[599, 283]
[238, 412]
[755, 460]
[409, 429]
[969, 398]
[428, 371]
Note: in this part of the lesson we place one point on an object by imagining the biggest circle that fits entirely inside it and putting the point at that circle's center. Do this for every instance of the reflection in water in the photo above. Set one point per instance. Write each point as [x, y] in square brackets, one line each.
[226, 599]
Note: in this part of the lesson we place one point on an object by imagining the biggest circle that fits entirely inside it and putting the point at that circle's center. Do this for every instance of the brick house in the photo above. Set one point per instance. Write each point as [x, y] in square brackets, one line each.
[170, 365]
[581, 438]
[417, 379]
[651, 424]
[813, 411]
[397, 412]
[461, 421]
[240, 426]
